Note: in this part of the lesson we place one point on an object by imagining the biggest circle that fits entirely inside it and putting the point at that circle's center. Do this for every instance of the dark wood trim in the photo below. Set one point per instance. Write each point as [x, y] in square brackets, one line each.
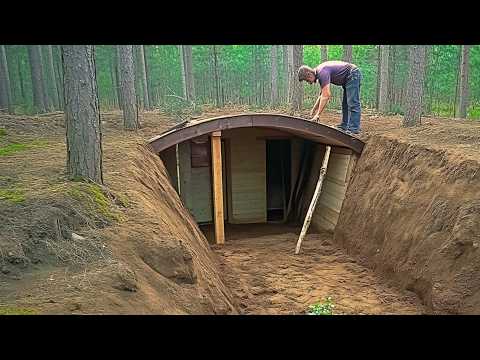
[319, 133]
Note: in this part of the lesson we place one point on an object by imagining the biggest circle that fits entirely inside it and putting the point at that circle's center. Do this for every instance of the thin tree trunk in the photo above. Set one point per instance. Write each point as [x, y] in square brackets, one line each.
[127, 84]
[59, 69]
[391, 76]
[217, 95]
[323, 53]
[6, 102]
[296, 86]
[143, 73]
[379, 70]
[113, 82]
[119, 81]
[274, 73]
[51, 75]
[36, 72]
[46, 96]
[20, 79]
[383, 90]
[414, 96]
[464, 69]
[82, 116]
[347, 53]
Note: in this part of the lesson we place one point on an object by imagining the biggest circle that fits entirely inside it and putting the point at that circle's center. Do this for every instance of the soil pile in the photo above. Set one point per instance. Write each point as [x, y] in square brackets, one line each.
[412, 212]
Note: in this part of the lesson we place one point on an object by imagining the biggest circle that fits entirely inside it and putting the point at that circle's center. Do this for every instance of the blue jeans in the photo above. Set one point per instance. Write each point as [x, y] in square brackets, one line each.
[351, 110]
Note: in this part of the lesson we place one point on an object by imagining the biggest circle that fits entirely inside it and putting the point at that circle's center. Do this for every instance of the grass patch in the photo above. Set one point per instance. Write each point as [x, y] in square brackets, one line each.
[325, 308]
[15, 196]
[11, 310]
[17, 147]
[94, 198]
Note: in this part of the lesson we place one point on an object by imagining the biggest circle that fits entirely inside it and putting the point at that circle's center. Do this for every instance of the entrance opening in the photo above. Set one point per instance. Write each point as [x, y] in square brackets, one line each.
[278, 178]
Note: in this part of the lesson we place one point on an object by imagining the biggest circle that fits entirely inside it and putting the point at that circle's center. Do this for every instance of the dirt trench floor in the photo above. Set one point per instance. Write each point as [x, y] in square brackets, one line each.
[259, 266]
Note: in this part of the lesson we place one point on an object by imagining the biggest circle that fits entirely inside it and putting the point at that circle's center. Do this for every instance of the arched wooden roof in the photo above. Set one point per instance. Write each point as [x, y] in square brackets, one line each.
[297, 126]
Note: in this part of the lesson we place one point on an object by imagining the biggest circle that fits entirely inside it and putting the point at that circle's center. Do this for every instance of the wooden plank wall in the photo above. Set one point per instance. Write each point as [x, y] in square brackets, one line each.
[334, 188]
[247, 181]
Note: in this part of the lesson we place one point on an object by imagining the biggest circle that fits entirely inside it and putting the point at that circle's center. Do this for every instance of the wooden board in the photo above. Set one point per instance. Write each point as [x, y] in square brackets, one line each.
[247, 180]
[217, 180]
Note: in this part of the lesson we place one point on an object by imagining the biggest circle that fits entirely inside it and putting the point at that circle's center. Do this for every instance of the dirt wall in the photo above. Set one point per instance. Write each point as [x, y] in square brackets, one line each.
[413, 214]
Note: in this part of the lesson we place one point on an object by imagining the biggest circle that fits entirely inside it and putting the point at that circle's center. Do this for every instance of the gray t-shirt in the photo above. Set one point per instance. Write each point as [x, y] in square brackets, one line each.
[335, 72]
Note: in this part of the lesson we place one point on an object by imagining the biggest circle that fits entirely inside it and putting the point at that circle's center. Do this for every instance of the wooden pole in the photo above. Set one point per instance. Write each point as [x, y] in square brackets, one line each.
[217, 187]
[313, 203]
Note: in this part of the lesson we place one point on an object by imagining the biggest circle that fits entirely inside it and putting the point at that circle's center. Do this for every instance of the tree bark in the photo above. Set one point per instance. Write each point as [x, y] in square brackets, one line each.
[464, 90]
[187, 72]
[286, 74]
[6, 103]
[51, 75]
[46, 96]
[127, 85]
[323, 53]
[36, 73]
[215, 70]
[347, 53]
[384, 80]
[296, 86]
[82, 116]
[143, 74]
[118, 77]
[414, 95]
[274, 79]
[59, 72]
[20, 79]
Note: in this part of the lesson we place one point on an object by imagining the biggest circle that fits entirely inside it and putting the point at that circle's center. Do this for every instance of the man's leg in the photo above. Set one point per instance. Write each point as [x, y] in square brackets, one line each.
[344, 124]
[353, 101]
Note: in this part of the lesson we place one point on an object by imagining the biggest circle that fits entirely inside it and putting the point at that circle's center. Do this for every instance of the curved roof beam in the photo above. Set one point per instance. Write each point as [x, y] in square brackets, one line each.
[300, 127]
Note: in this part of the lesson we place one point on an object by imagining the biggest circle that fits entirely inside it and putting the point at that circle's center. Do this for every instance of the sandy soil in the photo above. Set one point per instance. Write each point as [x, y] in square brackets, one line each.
[259, 265]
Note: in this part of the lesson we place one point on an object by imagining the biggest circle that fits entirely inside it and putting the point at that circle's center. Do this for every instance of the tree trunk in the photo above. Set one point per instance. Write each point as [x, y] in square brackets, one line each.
[6, 103]
[323, 53]
[127, 86]
[391, 76]
[59, 72]
[414, 95]
[187, 72]
[347, 53]
[464, 69]
[82, 116]
[20, 79]
[383, 88]
[118, 78]
[36, 72]
[113, 82]
[296, 87]
[286, 74]
[143, 74]
[215, 70]
[274, 72]
[46, 96]
[51, 75]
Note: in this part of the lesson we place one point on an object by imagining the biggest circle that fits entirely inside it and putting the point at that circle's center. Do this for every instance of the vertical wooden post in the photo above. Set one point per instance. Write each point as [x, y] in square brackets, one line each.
[217, 187]
[316, 195]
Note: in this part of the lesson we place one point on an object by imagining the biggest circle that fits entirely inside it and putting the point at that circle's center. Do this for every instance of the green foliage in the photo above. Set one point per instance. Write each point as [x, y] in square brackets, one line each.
[3, 132]
[15, 196]
[324, 308]
[13, 310]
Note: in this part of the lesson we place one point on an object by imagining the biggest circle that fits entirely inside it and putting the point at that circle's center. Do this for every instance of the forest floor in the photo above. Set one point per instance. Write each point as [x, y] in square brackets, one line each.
[32, 178]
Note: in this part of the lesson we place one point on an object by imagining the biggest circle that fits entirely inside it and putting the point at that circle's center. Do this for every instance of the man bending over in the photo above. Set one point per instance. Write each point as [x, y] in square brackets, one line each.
[342, 74]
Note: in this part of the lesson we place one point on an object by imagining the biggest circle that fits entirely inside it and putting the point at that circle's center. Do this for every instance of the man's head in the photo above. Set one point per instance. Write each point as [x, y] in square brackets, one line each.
[306, 73]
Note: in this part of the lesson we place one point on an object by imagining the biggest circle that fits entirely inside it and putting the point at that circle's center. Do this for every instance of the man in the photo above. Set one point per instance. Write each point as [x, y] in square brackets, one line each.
[339, 73]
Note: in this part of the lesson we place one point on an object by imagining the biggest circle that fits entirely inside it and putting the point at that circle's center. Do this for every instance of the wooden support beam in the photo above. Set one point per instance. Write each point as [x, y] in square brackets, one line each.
[218, 216]
[313, 203]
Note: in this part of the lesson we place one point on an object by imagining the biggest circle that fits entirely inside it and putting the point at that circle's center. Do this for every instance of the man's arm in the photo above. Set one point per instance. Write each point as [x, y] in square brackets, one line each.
[324, 98]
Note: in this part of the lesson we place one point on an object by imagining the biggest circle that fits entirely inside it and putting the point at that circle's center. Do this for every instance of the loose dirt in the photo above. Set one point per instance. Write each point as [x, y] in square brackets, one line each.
[266, 277]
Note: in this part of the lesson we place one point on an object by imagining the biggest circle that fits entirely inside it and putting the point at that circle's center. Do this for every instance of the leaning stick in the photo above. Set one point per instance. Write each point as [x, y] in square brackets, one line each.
[313, 203]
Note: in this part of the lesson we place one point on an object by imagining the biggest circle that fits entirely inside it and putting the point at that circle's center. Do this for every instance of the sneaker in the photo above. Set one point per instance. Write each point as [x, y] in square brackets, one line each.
[341, 128]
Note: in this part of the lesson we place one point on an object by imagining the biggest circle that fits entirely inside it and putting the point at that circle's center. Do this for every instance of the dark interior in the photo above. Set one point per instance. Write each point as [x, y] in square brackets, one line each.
[278, 178]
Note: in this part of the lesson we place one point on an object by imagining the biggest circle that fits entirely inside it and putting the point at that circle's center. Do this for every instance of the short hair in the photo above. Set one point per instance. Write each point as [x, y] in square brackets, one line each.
[303, 71]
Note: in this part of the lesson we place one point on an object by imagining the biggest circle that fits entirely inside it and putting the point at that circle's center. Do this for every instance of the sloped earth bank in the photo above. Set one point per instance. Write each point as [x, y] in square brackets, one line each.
[412, 213]
[259, 265]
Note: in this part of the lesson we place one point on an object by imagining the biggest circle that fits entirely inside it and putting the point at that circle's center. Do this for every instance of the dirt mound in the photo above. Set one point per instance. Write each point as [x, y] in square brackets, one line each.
[413, 213]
